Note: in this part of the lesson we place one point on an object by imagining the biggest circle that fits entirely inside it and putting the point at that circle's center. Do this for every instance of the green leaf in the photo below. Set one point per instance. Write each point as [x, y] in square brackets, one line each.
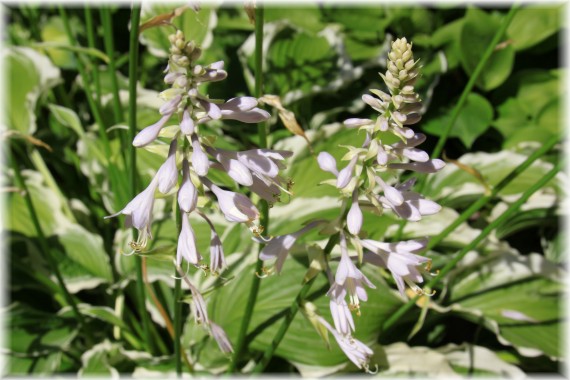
[533, 24]
[473, 120]
[519, 297]
[68, 118]
[53, 31]
[29, 75]
[477, 33]
[77, 49]
[276, 294]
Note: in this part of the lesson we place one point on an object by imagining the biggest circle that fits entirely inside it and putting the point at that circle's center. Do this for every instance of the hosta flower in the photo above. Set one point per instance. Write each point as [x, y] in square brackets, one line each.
[342, 317]
[279, 246]
[138, 214]
[168, 173]
[150, 133]
[414, 206]
[355, 350]
[186, 248]
[217, 259]
[221, 338]
[399, 259]
[236, 207]
[349, 280]
[187, 194]
[354, 217]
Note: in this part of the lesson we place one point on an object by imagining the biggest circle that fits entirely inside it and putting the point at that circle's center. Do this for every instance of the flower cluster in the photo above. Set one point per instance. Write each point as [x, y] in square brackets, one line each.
[371, 175]
[257, 169]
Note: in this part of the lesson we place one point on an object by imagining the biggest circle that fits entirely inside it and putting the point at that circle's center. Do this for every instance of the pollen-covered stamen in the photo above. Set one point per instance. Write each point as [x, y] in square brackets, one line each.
[265, 272]
[204, 268]
[256, 230]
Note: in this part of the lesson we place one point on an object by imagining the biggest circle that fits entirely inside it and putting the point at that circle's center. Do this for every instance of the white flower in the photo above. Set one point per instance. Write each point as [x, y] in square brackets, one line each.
[150, 133]
[168, 173]
[399, 259]
[414, 206]
[327, 163]
[200, 161]
[138, 213]
[430, 166]
[187, 194]
[236, 207]
[221, 338]
[279, 246]
[354, 217]
[345, 175]
[187, 244]
[349, 280]
[342, 317]
[187, 124]
[355, 350]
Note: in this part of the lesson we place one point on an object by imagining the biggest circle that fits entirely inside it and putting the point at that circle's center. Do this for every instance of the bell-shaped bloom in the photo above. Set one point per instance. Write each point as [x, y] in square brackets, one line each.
[187, 194]
[391, 193]
[409, 150]
[354, 217]
[263, 162]
[138, 213]
[235, 169]
[150, 133]
[345, 175]
[200, 161]
[168, 173]
[349, 280]
[327, 163]
[170, 106]
[243, 109]
[357, 123]
[198, 305]
[212, 109]
[399, 259]
[217, 259]
[342, 317]
[355, 350]
[187, 248]
[221, 338]
[414, 205]
[279, 246]
[236, 207]
[430, 166]
[187, 124]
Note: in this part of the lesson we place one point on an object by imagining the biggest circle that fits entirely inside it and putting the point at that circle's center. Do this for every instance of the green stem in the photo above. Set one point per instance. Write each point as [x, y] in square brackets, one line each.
[133, 68]
[92, 44]
[462, 99]
[290, 315]
[484, 233]
[19, 182]
[177, 322]
[500, 186]
[110, 50]
[92, 105]
[263, 206]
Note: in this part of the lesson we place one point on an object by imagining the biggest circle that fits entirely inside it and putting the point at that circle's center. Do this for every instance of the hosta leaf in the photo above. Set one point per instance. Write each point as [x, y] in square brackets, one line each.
[533, 24]
[474, 119]
[478, 31]
[276, 293]
[29, 76]
[519, 297]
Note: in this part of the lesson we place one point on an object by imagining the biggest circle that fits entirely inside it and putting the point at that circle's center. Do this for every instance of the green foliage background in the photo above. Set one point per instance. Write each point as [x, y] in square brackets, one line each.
[319, 59]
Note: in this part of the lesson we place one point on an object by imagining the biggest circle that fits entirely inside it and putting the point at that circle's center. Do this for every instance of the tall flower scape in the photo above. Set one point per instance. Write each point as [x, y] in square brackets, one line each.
[257, 169]
[371, 177]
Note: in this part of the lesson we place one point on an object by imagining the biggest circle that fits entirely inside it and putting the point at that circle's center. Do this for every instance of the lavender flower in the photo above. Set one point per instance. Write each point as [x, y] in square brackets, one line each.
[349, 280]
[355, 350]
[279, 246]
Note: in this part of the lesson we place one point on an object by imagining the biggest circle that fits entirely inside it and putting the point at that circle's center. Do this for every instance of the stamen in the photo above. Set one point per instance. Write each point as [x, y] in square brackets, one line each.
[186, 274]
[204, 268]
[428, 265]
[128, 254]
[266, 272]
